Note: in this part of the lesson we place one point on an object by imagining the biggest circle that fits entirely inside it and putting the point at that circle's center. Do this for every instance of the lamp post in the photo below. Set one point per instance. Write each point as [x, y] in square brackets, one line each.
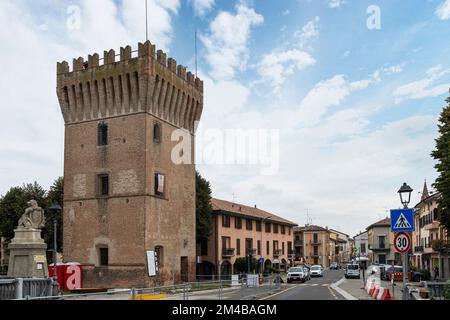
[55, 208]
[405, 198]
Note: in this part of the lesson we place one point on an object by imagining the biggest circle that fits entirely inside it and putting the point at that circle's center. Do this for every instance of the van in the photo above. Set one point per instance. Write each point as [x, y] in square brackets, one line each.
[352, 271]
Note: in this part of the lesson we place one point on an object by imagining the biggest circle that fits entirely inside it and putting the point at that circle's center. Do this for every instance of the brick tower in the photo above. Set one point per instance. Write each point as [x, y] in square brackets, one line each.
[123, 195]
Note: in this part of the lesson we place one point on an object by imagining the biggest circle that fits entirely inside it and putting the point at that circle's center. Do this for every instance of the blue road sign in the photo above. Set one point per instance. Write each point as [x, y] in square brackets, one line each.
[261, 260]
[402, 220]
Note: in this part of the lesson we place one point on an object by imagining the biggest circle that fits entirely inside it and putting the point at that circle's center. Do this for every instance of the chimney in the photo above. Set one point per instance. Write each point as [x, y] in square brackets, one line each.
[255, 207]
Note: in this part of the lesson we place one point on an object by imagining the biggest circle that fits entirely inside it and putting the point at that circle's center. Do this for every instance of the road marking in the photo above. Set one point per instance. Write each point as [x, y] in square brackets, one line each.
[325, 285]
[314, 285]
[278, 293]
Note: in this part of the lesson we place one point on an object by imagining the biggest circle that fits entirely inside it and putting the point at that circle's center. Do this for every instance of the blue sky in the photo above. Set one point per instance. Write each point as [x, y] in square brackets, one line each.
[355, 109]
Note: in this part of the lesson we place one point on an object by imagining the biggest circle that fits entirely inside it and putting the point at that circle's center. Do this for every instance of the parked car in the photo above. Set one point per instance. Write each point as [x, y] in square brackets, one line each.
[296, 274]
[316, 271]
[352, 271]
[334, 266]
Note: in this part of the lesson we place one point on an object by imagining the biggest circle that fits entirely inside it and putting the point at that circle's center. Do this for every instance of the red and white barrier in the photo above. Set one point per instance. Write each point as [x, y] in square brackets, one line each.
[384, 294]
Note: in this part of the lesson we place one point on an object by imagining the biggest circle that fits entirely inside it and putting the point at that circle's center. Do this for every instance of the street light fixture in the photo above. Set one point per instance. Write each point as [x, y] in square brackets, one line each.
[405, 198]
[405, 195]
[55, 209]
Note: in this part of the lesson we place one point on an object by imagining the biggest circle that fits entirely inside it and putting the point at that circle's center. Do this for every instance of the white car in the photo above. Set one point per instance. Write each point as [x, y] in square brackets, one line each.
[352, 271]
[296, 274]
[316, 271]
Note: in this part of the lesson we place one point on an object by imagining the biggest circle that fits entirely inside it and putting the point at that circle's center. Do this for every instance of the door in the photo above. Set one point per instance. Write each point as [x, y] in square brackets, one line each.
[184, 269]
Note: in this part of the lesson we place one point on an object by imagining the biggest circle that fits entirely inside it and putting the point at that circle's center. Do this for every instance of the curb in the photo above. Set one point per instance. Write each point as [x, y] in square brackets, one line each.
[345, 294]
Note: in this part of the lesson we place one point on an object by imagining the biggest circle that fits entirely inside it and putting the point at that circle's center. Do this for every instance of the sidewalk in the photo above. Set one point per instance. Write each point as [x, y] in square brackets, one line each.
[355, 288]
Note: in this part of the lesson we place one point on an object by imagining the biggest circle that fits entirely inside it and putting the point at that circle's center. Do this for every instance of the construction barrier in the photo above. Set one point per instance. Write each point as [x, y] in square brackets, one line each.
[384, 294]
[376, 291]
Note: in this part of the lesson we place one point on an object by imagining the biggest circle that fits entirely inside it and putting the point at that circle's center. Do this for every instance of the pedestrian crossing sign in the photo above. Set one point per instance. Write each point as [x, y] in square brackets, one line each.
[402, 220]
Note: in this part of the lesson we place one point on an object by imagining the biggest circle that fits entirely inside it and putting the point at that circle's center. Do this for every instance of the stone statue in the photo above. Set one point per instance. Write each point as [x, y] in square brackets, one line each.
[33, 218]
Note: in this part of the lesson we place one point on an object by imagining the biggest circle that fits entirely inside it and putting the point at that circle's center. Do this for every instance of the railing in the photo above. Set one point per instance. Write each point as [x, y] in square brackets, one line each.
[381, 247]
[23, 288]
[277, 252]
[298, 243]
[251, 251]
[315, 242]
[418, 249]
[228, 252]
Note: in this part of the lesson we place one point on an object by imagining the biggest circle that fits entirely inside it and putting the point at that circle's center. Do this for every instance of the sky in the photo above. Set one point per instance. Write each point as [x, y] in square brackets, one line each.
[339, 99]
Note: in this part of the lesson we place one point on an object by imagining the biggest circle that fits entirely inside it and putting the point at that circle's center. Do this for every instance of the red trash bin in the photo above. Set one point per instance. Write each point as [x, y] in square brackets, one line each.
[59, 273]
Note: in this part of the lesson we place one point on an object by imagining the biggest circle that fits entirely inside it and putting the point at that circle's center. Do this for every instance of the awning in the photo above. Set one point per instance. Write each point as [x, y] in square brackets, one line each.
[276, 261]
[362, 259]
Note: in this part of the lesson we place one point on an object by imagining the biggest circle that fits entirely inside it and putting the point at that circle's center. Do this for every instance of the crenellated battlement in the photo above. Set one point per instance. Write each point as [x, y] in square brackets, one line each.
[119, 84]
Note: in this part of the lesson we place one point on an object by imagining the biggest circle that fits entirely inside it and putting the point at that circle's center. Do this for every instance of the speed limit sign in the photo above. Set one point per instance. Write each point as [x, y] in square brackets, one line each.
[402, 242]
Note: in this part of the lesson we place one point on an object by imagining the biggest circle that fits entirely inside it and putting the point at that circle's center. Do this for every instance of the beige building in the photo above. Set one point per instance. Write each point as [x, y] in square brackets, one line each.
[381, 243]
[314, 245]
[123, 193]
[237, 231]
[428, 232]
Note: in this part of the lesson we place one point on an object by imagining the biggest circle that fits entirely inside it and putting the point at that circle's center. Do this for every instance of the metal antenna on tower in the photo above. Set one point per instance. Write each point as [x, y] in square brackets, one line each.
[146, 20]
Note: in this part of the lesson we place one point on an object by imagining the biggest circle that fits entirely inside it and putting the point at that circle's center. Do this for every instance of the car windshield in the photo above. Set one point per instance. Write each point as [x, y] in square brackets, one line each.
[352, 267]
[295, 270]
[315, 268]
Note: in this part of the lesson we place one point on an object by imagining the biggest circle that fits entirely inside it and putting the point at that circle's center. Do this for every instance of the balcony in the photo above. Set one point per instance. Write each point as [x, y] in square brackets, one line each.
[432, 226]
[277, 253]
[315, 242]
[418, 249]
[251, 251]
[379, 247]
[298, 243]
[228, 252]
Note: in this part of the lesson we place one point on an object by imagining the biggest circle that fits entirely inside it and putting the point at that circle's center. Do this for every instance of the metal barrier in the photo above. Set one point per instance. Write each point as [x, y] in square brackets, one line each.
[24, 288]
[204, 290]
[436, 290]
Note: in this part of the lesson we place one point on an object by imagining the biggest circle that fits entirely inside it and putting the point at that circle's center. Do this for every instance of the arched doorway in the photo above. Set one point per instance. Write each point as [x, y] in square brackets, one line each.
[267, 264]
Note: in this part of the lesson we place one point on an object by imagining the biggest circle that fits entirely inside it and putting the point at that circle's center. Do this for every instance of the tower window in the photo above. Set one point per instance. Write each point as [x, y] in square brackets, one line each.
[102, 134]
[159, 184]
[104, 256]
[103, 184]
[157, 133]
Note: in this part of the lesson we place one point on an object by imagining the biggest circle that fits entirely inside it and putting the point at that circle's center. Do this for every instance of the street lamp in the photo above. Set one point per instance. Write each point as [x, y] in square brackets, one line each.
[55, 209]
[405, 195]
[405, 198]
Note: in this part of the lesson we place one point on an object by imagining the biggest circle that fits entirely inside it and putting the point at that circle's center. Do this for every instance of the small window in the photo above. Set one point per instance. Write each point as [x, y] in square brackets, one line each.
[159, 184]
[238, 247]
[102, 134]
[157, 133]
[104, 256]
[275, 228]
[268, 227]
[249, 224]
[225, 221]
[103, 184]
[238, 223]
[258, 226]
[283, 229]
[267, 247]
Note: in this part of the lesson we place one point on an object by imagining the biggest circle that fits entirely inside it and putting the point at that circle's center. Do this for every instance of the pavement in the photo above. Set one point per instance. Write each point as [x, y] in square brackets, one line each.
[355, 289]
[315, 289]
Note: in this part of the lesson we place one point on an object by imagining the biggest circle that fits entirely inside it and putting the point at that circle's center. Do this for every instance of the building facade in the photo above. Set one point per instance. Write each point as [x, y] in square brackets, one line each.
[362, 248]
[381, 243]
[313, 245]
[238, 231]
[428, 233]
[343, 247]
[125, 193]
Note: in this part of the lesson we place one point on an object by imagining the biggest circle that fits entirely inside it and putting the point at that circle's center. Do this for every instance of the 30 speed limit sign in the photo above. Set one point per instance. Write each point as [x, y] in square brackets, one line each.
[402, 242]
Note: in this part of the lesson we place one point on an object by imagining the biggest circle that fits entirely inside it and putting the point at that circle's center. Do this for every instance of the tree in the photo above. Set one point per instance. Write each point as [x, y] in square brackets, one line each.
[14, 203]
[54, 195]
[203, 208]
[241, 265]
[442, 155]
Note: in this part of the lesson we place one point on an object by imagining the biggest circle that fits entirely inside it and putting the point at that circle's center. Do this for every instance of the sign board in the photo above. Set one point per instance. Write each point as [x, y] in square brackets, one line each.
[261, 260]
[152, 264]
[402, 242]
[252, 280]
[402, 220]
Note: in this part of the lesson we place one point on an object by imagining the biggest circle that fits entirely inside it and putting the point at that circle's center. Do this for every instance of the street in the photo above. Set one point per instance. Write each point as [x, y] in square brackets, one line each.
[315, 289]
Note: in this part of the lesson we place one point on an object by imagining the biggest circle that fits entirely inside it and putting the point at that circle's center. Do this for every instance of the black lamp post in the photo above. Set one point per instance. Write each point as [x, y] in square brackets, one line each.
[405, 198]
[405, 195]
[55, 209]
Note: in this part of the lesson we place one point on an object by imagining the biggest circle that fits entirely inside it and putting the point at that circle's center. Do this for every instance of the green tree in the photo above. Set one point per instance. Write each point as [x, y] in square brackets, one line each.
[203, 208]
[442, 155]
[14, 203]
[241, 265]
[54, 195]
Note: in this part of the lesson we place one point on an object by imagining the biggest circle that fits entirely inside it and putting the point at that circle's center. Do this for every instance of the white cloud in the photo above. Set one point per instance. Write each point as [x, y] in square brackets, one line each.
[227, 41]
[201, 7]
[326, 94]
[425, 87]
[276, 67]
[308, 32]
[443, 11]
[335, 3]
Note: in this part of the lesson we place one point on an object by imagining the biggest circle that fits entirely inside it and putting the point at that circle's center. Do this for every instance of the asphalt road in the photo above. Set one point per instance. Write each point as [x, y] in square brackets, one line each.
[315, 289]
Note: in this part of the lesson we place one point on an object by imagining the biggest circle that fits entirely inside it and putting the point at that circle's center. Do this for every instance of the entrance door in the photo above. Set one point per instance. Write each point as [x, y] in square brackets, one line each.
[184, 269]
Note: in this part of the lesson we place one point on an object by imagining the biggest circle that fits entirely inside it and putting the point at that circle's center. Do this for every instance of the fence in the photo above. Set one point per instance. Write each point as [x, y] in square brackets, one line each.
[204, 290]
[24, 288]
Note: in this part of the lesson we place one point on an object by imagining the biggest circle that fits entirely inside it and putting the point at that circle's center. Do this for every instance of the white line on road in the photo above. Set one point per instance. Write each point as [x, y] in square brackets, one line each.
[345, 294]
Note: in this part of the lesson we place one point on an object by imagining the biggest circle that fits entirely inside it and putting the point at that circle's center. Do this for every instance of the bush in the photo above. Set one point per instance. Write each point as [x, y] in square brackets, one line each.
[272, 270]
[447, 290]
[426, 275]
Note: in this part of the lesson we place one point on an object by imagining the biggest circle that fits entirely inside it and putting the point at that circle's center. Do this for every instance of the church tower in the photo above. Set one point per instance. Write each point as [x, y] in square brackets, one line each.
[123, 193]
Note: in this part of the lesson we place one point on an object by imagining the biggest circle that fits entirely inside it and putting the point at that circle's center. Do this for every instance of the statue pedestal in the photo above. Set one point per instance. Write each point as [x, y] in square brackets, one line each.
[27, 256]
